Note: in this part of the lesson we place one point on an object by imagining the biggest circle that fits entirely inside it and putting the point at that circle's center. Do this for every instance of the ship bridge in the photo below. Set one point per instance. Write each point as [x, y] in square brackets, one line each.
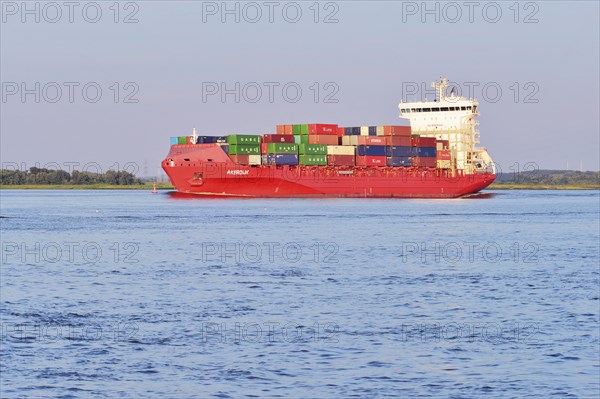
[451, 118]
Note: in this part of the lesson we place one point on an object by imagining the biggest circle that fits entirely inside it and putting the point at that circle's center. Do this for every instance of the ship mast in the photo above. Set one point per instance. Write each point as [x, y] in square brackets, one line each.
[194, 136]
[440, 87]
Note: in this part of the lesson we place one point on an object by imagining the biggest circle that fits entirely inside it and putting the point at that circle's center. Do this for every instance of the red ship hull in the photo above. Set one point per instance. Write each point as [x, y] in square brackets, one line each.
[205, 169]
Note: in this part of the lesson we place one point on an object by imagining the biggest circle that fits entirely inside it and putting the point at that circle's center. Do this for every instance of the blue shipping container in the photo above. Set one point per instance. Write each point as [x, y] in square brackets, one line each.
[352, 131]
[372, 150]
[174, 140]
[211, 139]
[399, 161]
[400, 151]
[282, 159]
[372, 130]
[425, 151]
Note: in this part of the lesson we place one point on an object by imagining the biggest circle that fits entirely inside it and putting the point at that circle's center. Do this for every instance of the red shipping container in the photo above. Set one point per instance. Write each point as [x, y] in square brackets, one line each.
[424, 162]
[278, 138]
[372, 140]
[323, 139]
[240, 159]
[443, 155]
[396, 131]
[417, 141]
[188, 140]
[287, 129]
[371, 161]
[322, 128]
[340, 160]
[264, 147]
[280, 129]
[341, 131]
[398, 141]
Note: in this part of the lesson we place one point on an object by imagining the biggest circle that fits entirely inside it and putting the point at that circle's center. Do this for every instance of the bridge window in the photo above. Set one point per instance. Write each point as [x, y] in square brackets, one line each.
[463, 108]
[444, 108]
[435, 109]
[426, 109]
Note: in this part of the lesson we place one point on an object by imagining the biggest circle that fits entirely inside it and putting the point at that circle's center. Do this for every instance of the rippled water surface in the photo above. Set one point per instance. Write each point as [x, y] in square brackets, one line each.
[130, 294]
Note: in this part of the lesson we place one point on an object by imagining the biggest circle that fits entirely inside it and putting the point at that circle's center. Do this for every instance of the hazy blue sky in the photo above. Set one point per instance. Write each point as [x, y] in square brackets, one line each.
[374, 51]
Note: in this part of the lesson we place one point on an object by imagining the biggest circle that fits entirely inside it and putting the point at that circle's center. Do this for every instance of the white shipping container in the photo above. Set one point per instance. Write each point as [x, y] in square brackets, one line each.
[349, 140]
[364, 130]
[340, 150]
[254, 159]
[380, 131]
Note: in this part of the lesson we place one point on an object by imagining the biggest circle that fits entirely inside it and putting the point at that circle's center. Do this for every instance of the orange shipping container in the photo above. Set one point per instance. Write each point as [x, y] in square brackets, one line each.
[323, 139]
[396, 130]
[280, 129]
[398, 141]
[240, 159]
[372, 140]
[424, 162]
[287, 129]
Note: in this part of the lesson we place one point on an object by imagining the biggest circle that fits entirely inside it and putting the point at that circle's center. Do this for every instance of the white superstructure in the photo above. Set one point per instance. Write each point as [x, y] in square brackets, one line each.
[450, 118]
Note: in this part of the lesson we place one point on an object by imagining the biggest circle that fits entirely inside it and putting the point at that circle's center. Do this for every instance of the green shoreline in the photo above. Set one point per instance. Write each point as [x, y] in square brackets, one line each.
[512, 186]
[145, 186]
[168, 186]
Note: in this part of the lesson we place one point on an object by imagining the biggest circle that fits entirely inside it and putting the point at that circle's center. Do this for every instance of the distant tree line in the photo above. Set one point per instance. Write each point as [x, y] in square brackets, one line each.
[50, 176]
[551, 177]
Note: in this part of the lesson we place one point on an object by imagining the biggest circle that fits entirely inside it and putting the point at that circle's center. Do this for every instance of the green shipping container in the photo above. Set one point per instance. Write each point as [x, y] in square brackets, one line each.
[304, 139]
[182, 140]
[236, 149]
[282, 148]
[303, 129]
[243, 139]
[313, 160]
[296, 129]
[298, 139]
[313, 149]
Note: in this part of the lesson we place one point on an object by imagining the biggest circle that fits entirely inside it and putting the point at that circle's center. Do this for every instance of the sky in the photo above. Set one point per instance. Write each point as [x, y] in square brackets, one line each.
[96, 86]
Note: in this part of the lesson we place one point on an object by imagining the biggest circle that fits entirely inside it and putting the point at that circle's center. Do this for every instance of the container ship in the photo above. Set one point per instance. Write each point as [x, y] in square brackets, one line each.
[436, 156]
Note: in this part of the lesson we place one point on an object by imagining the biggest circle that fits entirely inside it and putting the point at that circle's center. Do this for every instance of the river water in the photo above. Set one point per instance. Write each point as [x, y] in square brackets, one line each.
[132, 294]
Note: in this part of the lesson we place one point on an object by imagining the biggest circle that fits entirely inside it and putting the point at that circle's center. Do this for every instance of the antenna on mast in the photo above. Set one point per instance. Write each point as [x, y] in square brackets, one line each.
[440, 87]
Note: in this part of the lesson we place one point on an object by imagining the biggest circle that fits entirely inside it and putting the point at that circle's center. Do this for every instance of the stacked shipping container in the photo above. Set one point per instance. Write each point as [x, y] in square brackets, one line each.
[329, 144]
